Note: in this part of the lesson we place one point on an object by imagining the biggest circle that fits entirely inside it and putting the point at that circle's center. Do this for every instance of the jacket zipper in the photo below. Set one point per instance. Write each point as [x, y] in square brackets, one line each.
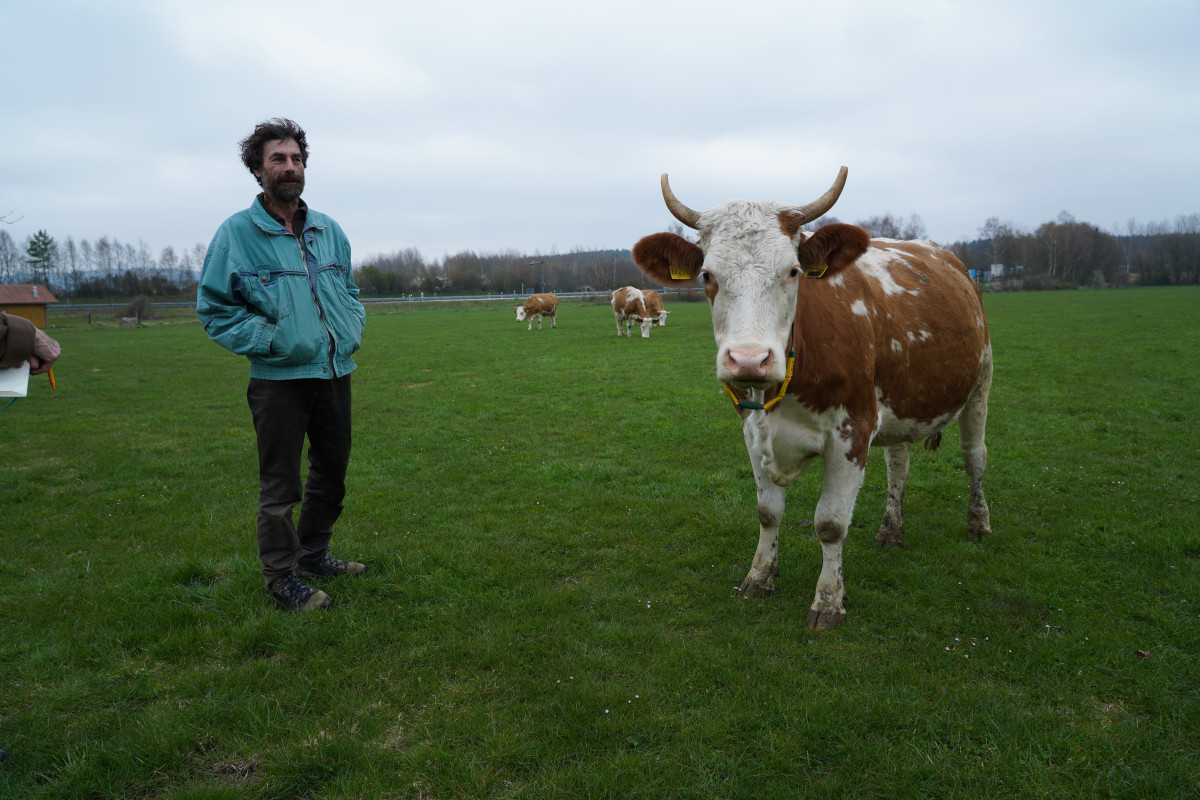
[331, 347]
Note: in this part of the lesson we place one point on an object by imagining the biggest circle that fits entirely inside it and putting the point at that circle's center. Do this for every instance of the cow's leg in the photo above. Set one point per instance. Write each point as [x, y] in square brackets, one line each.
[554, 320]
[891, 532]
[618, 319]
[760, 581]
[530, 324]
[843, 478]
[972, 424]
[539, 322]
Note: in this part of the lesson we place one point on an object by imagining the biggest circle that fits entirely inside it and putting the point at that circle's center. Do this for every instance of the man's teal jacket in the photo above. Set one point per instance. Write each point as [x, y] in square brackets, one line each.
[288, 305]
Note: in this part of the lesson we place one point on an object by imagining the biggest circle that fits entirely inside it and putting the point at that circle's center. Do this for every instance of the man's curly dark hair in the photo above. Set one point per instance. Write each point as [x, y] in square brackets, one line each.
[269, 131]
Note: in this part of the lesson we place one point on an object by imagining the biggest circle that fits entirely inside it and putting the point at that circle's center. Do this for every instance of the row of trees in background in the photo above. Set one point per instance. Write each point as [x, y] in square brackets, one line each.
[1059, 254]
[406, 272]
[98, 269]
[1068, 253]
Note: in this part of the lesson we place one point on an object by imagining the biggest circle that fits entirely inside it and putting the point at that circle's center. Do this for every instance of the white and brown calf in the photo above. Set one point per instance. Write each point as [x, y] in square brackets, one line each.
[890, 346]
[539, 305]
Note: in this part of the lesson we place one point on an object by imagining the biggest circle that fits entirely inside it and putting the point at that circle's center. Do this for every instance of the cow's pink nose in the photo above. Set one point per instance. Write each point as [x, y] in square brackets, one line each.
[749, 363]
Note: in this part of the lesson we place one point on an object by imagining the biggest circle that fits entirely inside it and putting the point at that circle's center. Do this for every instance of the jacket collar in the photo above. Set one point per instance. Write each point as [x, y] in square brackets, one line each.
[269, 222]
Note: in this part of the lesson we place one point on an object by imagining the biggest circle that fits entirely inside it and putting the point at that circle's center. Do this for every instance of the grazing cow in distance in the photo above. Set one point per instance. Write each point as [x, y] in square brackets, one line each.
[539, 305]
[828, 343]
[629, 307]
[654, 307]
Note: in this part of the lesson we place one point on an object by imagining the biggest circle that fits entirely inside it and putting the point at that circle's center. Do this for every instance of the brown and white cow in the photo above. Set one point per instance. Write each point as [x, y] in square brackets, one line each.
[654, 307]
[539, 305]
[885, 343]
[629, 308]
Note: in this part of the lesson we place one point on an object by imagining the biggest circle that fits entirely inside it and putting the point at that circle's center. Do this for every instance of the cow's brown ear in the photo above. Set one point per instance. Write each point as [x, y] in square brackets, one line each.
[831, 249]
[668, 259]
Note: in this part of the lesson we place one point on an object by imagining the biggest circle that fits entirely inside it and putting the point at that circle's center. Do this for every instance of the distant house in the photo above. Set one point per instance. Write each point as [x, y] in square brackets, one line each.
[28, 300]
[997, 271]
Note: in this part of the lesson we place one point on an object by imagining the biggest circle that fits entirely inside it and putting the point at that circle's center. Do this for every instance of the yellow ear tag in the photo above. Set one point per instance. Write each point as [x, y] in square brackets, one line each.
[816, 272]
[680, 273]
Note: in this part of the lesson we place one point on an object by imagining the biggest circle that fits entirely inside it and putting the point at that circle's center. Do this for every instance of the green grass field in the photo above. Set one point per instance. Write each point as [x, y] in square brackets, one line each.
[555, 522]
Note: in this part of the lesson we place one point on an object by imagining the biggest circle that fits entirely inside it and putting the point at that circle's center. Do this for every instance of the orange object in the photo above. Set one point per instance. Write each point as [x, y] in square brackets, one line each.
[50, 372]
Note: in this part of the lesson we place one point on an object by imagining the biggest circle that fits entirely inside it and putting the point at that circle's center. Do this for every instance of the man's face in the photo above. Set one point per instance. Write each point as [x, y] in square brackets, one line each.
[282, 172]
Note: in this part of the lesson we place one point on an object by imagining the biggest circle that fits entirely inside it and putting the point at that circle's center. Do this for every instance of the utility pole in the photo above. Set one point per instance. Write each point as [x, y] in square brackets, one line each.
[542, 264]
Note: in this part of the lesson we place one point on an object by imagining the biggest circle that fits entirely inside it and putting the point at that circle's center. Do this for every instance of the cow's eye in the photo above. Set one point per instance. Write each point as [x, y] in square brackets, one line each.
[705, 276]
[795, 271]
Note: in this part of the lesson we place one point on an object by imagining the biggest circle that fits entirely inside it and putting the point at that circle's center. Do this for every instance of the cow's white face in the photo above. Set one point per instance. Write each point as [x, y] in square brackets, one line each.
[647, 323]
[521, 314]
[750, 274]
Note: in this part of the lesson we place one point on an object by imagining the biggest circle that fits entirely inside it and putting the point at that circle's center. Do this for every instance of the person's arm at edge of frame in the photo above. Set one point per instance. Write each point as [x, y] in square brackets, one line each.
[24, 341]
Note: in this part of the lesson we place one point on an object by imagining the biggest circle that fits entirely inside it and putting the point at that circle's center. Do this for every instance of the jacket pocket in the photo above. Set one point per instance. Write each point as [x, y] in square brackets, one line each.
[286, 298]
[343, 313]
[269, 292]
[294, 346]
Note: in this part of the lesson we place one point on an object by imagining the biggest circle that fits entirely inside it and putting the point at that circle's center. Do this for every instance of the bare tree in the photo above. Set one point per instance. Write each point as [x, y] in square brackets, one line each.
[914, 228]
[12, 263]
[885, 227]
[199, 251]
[86, 260]
[1001, 238]
[684, 233]
[145, 261]
[70, 266]
[168, 264]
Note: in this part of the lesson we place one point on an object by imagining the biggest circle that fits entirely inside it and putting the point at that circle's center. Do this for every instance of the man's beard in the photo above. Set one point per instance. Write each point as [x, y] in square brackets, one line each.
[286, 190]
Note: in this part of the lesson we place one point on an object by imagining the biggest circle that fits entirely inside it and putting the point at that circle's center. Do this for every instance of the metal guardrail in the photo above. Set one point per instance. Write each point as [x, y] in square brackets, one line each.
[83, 308]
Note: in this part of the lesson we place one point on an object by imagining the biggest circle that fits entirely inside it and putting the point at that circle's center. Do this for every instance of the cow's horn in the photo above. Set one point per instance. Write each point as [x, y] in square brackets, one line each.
[822, 204]
[687, 216]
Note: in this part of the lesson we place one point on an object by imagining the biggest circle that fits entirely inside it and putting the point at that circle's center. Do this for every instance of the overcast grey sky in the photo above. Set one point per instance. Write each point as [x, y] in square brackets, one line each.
[543, 126]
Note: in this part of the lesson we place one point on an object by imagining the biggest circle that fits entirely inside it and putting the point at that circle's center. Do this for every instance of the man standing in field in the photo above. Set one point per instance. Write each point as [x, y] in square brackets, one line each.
[277, 288]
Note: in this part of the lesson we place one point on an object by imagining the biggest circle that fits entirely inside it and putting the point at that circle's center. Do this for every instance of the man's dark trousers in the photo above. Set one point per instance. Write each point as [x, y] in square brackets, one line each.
[285, 412]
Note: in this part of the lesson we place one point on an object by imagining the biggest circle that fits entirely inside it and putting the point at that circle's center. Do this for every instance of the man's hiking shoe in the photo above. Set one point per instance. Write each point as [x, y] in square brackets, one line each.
[296, 595]
[332, 567]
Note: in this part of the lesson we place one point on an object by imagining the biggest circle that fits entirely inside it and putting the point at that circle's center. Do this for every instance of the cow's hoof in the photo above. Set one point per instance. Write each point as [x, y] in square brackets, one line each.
[977, 531]
[888, 540]
[756, 589]
[825, 619]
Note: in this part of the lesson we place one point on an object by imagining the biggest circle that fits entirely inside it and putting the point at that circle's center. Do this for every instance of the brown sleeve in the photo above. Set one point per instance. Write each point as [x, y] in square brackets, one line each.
[16, 340]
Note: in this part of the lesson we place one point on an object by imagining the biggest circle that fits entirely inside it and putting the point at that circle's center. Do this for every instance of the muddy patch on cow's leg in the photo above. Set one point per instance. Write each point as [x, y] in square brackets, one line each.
[891, 532]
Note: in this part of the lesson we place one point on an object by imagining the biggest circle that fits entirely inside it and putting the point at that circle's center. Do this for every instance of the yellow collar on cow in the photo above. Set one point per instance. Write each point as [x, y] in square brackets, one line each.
[753, 406]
